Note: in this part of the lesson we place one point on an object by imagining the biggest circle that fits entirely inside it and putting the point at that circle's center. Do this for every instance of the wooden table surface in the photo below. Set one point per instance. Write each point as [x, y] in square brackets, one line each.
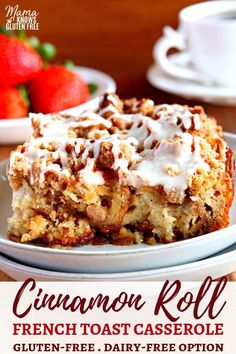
[116, 37]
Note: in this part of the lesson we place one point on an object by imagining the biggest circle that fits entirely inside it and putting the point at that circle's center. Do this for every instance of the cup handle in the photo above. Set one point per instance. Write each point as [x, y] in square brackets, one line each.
[172, 39]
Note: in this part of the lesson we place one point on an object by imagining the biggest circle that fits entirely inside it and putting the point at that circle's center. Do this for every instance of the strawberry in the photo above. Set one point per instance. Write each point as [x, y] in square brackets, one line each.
[57, 88]
[18, 61]
[12, 103]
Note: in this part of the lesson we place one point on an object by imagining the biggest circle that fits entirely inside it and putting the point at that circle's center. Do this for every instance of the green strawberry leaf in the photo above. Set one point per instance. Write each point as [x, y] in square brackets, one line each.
[34, 42]
[21, 35]
[69, 64]
[3, 30]
[24, 92]
[92, 88]
[47, 51]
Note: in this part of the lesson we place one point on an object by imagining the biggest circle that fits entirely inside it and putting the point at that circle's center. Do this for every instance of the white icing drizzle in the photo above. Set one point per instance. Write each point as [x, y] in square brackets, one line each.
[112, 99]
[197, 121]
[151, 152]
[120, 162]
[93, 119]
[89, 176]
[14, 156]
[109, 108]
[55, 126]
[173, 155]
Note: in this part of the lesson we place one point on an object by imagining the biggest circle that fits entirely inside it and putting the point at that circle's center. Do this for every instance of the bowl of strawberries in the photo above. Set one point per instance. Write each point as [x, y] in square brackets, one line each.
[29, 83]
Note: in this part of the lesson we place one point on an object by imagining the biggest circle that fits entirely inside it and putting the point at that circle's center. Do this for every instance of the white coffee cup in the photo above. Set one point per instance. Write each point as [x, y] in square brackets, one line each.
[208, 37]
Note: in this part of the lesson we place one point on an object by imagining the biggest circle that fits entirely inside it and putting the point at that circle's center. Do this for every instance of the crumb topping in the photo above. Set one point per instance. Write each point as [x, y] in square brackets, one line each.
[142, 143]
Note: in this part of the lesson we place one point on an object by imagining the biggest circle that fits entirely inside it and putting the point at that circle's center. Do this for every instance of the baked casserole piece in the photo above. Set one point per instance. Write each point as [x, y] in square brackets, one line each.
[126, 173]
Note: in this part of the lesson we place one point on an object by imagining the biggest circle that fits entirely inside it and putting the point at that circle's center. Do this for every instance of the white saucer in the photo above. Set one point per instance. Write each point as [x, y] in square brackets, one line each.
[187, 88]
[217, 266]
[110, 258]
[15, 131]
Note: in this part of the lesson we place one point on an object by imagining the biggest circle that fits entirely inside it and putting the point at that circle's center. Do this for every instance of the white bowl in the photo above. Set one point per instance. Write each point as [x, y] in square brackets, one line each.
[15, 131]
[110, 258]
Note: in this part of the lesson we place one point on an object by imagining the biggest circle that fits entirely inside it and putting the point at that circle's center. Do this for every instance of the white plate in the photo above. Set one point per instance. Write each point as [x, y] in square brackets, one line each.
[109, 258]
[187, 88]
[216, 267]
[15, 131]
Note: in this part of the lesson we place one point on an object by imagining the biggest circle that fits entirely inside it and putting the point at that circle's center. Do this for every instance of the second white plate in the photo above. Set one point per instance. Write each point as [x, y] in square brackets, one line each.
[109, 258]
[216, 267]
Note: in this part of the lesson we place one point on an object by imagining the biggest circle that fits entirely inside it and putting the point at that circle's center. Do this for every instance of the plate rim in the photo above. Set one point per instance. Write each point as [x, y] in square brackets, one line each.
[228, 256]
[119, 252]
